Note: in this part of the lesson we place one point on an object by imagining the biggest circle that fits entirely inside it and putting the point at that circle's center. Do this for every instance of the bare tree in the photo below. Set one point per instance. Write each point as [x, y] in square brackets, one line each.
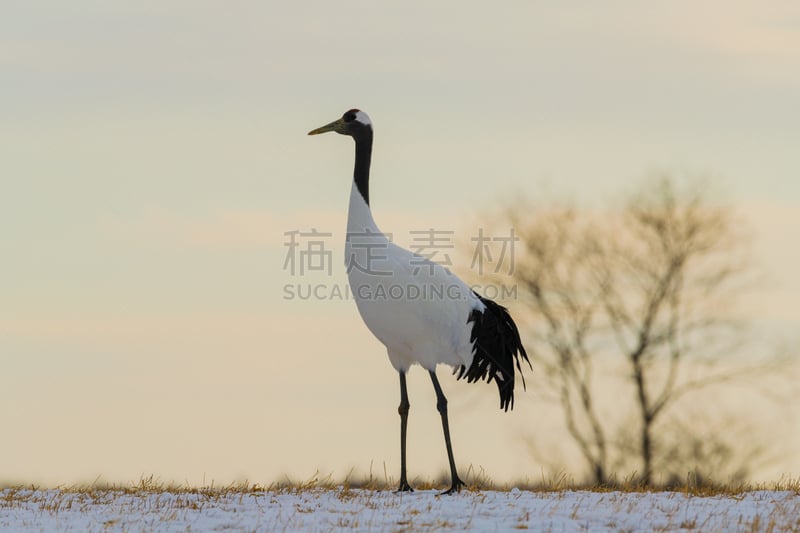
[556, 272]
[645, 294]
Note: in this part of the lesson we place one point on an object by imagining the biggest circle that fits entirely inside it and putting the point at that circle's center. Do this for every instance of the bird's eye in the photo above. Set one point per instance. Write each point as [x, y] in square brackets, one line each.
[350, 116]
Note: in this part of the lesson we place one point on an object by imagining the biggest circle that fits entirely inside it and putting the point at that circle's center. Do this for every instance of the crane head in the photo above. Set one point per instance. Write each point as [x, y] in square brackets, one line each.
[353, 123]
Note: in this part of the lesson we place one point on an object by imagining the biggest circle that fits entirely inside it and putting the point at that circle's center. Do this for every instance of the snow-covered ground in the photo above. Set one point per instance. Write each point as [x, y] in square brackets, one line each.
[367, 510]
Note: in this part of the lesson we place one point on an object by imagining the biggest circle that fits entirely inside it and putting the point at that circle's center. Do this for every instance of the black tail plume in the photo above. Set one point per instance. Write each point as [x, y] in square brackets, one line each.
[497, 348]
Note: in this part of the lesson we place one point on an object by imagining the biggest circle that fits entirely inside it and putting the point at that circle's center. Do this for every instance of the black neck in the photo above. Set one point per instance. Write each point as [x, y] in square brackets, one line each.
[363, 158]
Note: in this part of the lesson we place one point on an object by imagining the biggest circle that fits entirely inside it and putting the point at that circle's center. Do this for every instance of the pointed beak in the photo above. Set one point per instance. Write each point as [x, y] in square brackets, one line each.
[336, 126]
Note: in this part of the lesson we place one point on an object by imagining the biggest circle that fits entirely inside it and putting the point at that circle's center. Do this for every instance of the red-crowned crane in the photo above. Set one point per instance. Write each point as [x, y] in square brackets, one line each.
[418, 309]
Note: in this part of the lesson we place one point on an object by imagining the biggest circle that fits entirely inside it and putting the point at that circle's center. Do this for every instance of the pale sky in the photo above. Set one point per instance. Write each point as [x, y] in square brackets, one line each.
[153, 154]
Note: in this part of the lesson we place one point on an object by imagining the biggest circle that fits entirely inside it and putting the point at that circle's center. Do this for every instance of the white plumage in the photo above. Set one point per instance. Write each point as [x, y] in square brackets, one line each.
[418, 309]
[420, 312]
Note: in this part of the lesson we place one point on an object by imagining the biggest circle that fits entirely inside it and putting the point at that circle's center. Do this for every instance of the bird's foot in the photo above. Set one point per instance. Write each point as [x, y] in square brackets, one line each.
[455, 488]
[404, 487]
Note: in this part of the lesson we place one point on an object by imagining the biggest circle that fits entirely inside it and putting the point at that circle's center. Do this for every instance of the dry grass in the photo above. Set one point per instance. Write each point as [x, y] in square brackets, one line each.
[479, 481]
[476, 481]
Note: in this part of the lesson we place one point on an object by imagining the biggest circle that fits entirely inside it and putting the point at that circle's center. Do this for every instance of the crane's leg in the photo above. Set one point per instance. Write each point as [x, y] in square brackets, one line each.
[403, 411]
[441, 406]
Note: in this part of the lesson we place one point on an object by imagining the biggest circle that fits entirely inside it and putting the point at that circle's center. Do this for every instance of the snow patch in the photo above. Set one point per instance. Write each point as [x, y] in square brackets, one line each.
[367, 510]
